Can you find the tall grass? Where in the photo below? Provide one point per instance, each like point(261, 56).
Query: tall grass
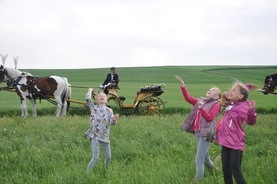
point(47, 149)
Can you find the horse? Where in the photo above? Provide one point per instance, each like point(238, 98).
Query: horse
point(28, 86)
point(270, 84)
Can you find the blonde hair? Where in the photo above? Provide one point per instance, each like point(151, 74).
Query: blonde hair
point(224, 101)
point(243, 90)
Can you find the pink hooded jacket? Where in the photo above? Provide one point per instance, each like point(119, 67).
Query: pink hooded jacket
point(230, 132)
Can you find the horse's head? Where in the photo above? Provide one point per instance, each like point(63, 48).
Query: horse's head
point(270, 84)
point(2, 73)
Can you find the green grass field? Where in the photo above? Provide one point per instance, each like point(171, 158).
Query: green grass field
point(147, 150)
point(198, 80)
point(154, 149)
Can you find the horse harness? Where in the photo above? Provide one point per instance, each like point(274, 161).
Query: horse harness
point(30, 87)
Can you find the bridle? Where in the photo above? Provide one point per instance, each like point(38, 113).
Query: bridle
point(3, 74)
point(270, 84)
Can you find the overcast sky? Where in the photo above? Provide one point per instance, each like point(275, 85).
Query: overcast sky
point(60, 34)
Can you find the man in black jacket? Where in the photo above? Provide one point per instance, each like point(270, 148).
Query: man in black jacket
point(112, 79)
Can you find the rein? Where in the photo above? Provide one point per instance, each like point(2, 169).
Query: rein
point(52, 101)
point(15, 77)
point(82, 87)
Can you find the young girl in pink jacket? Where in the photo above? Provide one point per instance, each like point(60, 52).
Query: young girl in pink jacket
point(231, 136)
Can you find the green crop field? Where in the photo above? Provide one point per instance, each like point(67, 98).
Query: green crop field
point(198, 80)
point(145, 149)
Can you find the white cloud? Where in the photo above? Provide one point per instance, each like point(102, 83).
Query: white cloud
point(93, 34)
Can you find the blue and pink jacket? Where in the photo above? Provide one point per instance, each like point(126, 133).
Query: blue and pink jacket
point(200, 120)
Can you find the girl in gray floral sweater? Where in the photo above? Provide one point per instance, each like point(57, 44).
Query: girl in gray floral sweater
point(101, 117)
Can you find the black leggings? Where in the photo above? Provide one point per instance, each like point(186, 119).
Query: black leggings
point(231, 165)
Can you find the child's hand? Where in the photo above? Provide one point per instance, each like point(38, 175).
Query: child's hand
point(200, 103)
point(88, 95)
point(180, 79)
point(115, 117)
point(251, 104)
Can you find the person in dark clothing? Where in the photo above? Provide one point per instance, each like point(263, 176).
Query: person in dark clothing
point(111, 80)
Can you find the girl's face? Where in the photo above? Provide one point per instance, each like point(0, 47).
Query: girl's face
point(101, 98)
point(234, 94)
point(213, 93)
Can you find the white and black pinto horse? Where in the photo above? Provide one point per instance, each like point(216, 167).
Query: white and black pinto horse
point(28, 86)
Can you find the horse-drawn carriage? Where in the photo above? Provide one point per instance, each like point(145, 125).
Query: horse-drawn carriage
point(26, 86)
point(146, 102)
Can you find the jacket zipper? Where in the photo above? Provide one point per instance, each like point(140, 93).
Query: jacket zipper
point(230, 124)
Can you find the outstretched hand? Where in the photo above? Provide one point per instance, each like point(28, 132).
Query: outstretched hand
point(180, 80)
point(88, 95)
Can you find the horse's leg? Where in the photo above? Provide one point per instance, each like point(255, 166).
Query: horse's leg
point(34, 107)
point(60, 95)
point(64, 108)
point(24, 110)
point(59, 106)
point(67, 97)
point(65, 103)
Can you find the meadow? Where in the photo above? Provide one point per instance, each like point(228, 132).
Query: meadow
point(154, 149)
point(198, 79)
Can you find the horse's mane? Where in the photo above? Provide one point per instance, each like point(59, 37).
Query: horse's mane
point(14, 73)
point(27, 74)
point(274, 76)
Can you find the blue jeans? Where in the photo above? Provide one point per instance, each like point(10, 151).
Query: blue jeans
point(202, 157)
point(96, 151)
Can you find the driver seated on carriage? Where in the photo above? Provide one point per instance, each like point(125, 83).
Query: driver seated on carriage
point(111, 81)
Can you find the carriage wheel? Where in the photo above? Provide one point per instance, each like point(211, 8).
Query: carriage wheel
point(151, 106)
